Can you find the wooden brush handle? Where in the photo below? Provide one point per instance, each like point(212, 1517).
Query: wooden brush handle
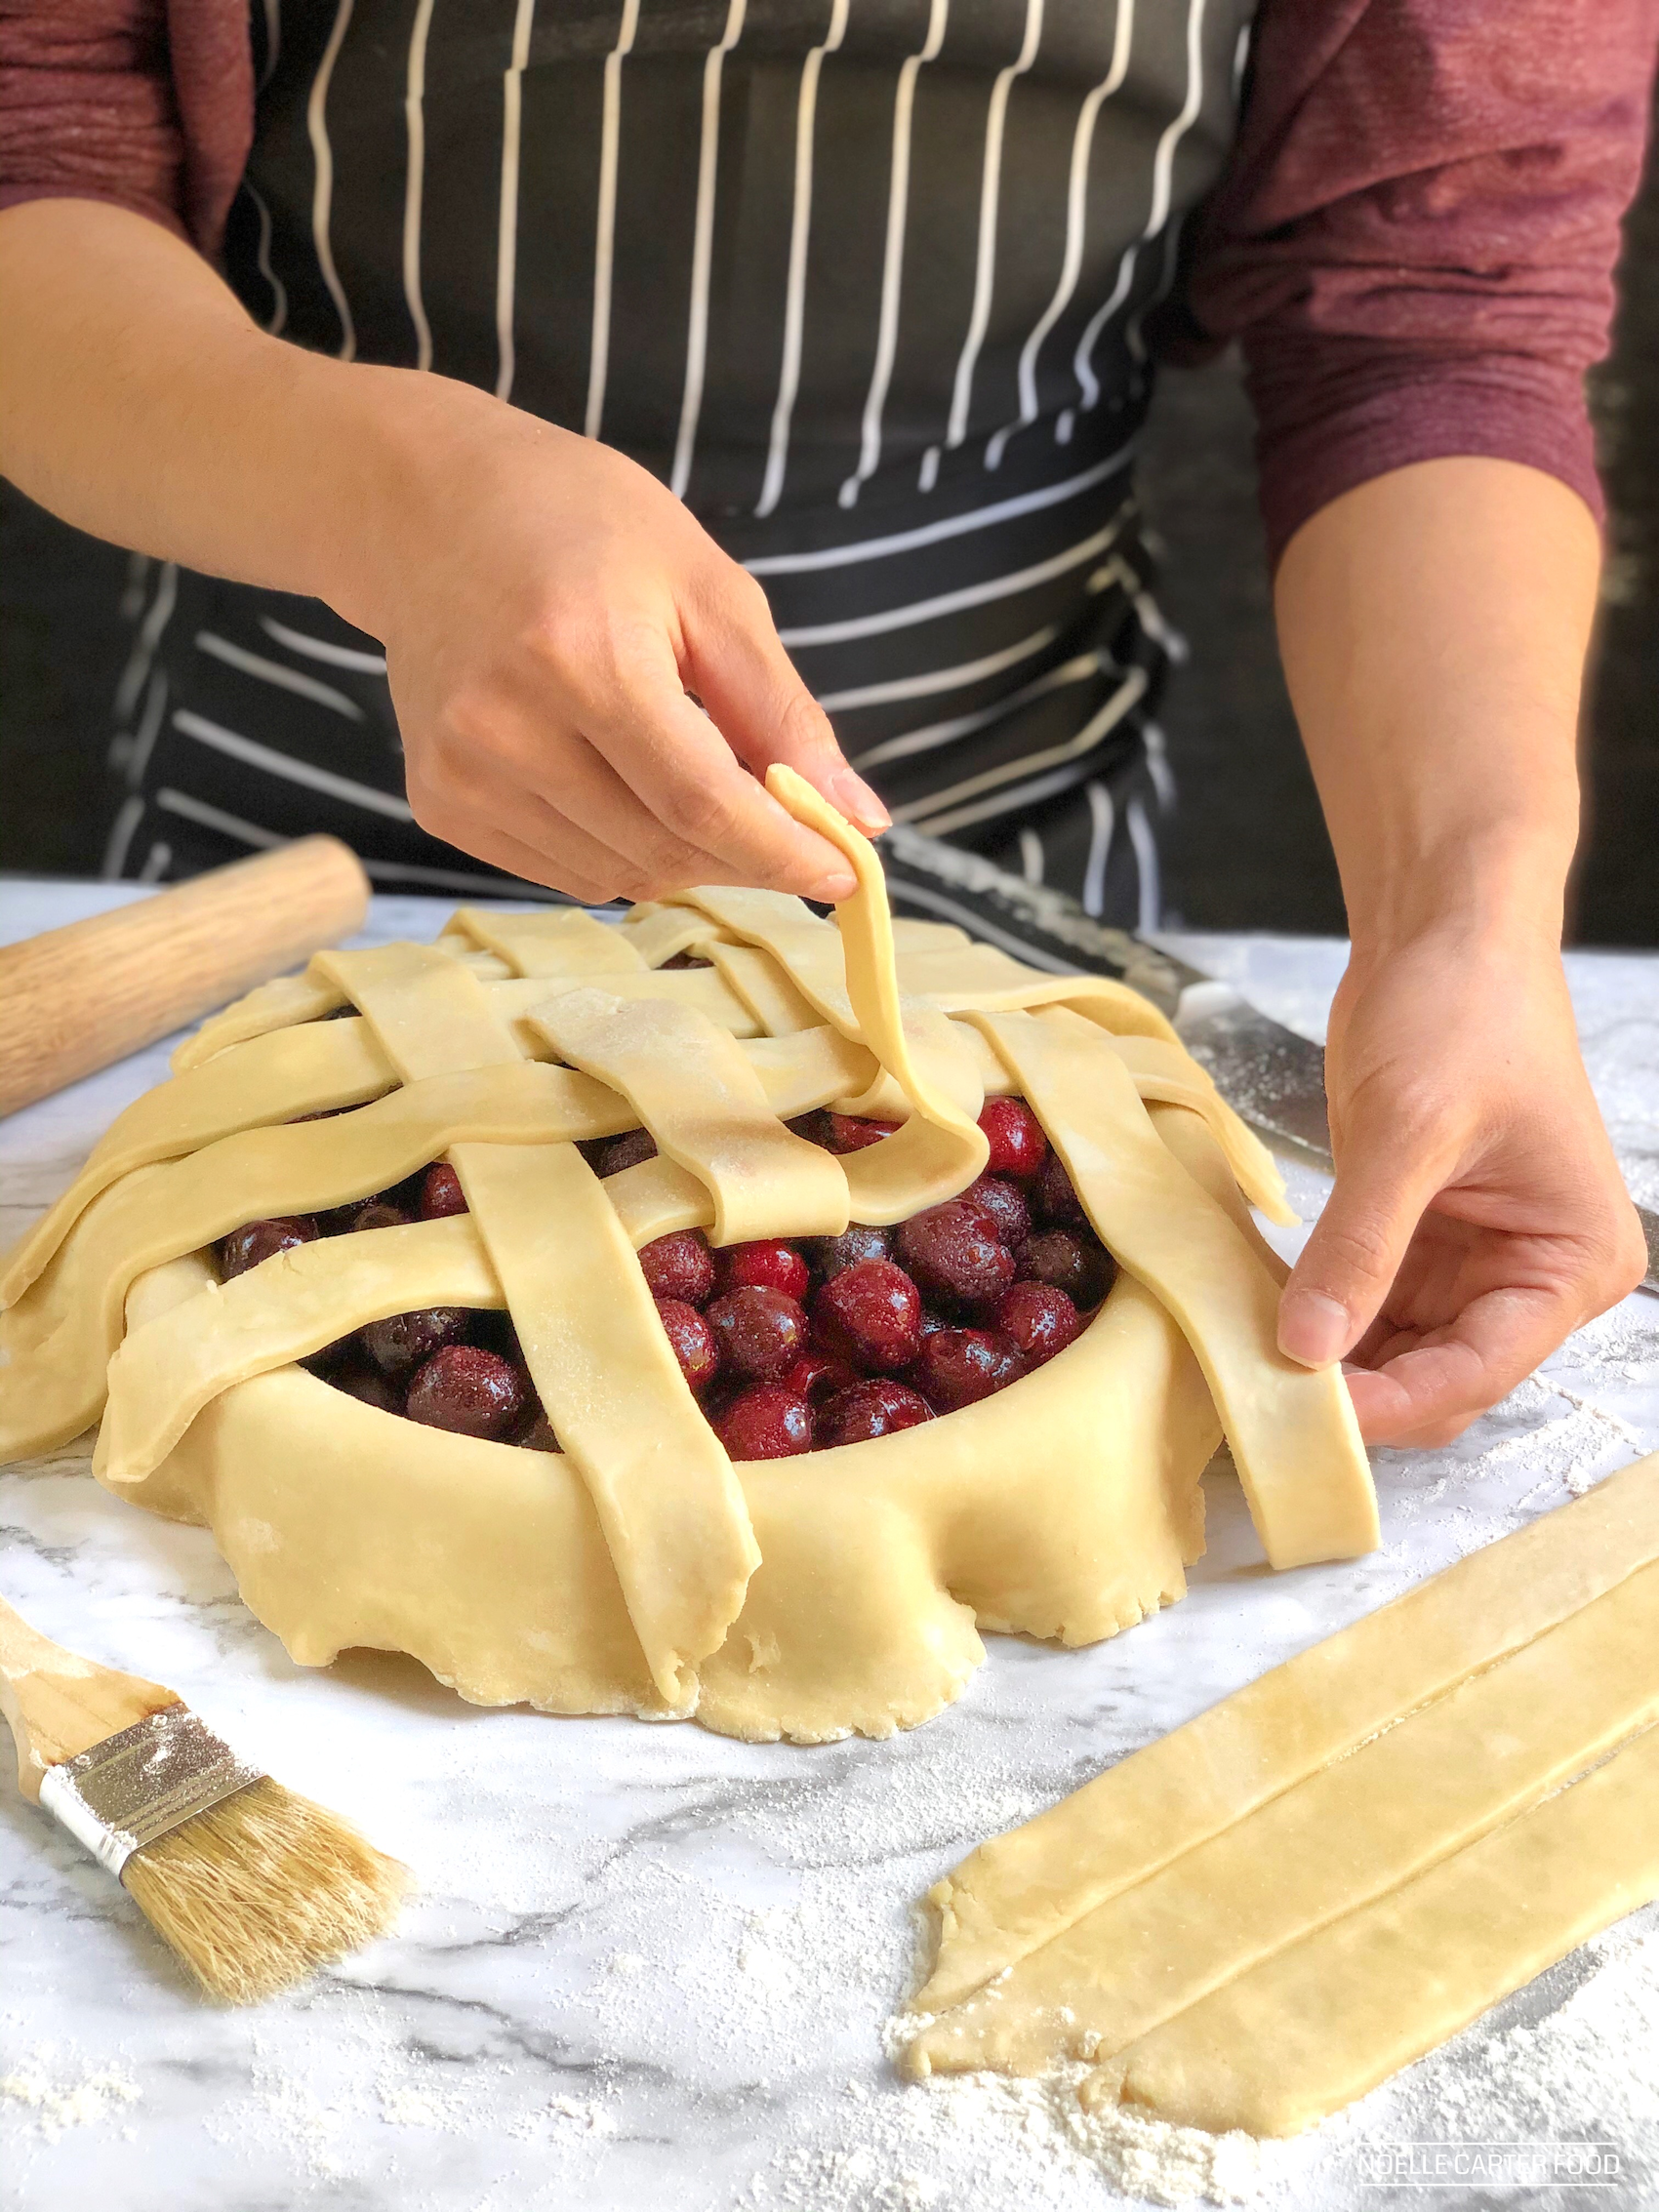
point(59, 1704)
point(77, 999)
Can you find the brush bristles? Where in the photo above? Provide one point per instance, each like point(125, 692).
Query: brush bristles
point(261, 1890)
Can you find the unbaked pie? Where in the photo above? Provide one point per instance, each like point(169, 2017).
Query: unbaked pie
point(728, 1310)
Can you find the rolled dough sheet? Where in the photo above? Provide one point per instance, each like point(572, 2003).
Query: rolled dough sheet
point(1264, 1914)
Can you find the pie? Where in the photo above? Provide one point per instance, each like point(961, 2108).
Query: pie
point(728, 1310)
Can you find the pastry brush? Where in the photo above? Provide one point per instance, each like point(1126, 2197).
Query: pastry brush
point(253, 1886)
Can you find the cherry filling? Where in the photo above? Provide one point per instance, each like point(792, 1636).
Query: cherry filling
point(789, 1344)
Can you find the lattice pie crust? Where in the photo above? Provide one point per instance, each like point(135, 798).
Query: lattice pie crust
point(637, 1570)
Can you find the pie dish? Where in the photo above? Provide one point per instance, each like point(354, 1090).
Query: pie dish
point(729, 1097)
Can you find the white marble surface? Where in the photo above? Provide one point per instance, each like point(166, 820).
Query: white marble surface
point(650, 1968)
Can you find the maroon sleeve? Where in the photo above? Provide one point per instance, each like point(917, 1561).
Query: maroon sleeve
point(146, 104)
point(1416, 237)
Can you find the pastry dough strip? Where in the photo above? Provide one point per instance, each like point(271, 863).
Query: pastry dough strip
point(672, 1509)
point(690, 1084)
point(1292, 1430)
point(1022, 1890)
point(1321, 2022)
point(1343, 1836)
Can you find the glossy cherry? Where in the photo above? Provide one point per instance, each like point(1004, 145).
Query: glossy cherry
point(685, 960)
point(1073, 1261)
point(818, 1377)
point(769, 1264)
point(536, 1433)
point(813, 1127)
point(766, 1422)
point(828, 1255)
point(693, 1341)
point(441, 1194)
point(851, 1133)
point(468, 1390)
point(627, 1151)
point(960, 1366)
point(1037, 1319)
point(679, 1266)
point(759, 1332)
point(1005, 1203)
point(876, 1408)
point(1054, 1198)
point(246, 1247)
point(1018, 1146)
point(404, 1340)
point(953, 1252)
point(869, 1313)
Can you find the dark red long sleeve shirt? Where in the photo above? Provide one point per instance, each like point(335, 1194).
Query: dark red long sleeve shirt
point(1414, 242)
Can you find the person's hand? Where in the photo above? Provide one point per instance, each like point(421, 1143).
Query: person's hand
point(1479, 1214)
point(551, 617)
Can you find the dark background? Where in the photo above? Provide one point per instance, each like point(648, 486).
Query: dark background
point(1247, 849)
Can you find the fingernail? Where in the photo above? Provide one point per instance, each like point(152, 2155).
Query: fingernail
point(857, 802)
point(838, 884)
point(1313, 1329)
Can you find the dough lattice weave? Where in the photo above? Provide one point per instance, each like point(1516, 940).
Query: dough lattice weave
point(636, 1567)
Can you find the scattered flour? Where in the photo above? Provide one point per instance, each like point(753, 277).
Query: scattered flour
point(49, 2107)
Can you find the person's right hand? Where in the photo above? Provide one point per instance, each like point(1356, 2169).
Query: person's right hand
point(551, 617)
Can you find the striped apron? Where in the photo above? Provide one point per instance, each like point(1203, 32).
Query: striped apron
point(863, 281)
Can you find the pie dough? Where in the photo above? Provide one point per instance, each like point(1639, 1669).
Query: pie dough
point(637, 1569)
point(1260, 1917)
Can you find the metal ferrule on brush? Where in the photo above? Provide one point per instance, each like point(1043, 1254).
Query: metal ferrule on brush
point(137, 1786)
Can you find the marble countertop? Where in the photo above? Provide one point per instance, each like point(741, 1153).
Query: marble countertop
point(648, 1967)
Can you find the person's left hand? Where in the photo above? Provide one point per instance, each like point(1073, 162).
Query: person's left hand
point(1479, 1214)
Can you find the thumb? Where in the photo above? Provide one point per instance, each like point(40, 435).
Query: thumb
point(738, 668)
point(1347, 1266)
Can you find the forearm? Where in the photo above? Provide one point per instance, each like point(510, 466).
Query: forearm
point(1433, 625)
point(140, 402)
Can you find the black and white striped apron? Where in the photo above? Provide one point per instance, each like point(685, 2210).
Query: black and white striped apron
point(863, 281)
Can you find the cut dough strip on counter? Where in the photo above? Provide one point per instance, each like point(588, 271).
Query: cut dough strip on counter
point(1319, 2025)
point(1294, 1438)
point(1345, 1835)
point(1023, 1889)
point(1265, 1914)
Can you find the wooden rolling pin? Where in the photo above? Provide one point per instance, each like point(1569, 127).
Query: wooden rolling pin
point(74, 1000)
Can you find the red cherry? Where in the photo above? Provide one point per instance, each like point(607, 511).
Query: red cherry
point(692, 1339)
point(685, 960)
point(627, 1151)
point(767, 1423)
point(441, 1194)
point(828, 1255)
point(877, 1408)
point(1018, 1146)
point(953, 1252)
point(869, 1313)
point(536, 1433)
point(246, 1247)
point(1055, 1199)
point(759, 1332)
point(851, 1133)
point(818, 1376)
point(1070, 1261)
point(960, 1366)
point(1037, 1319)
point(814, 1127)
point(402, 1341)
point(468, 1390)
point(769, 1263)
point(1005, 1203)
point(679, 1266)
